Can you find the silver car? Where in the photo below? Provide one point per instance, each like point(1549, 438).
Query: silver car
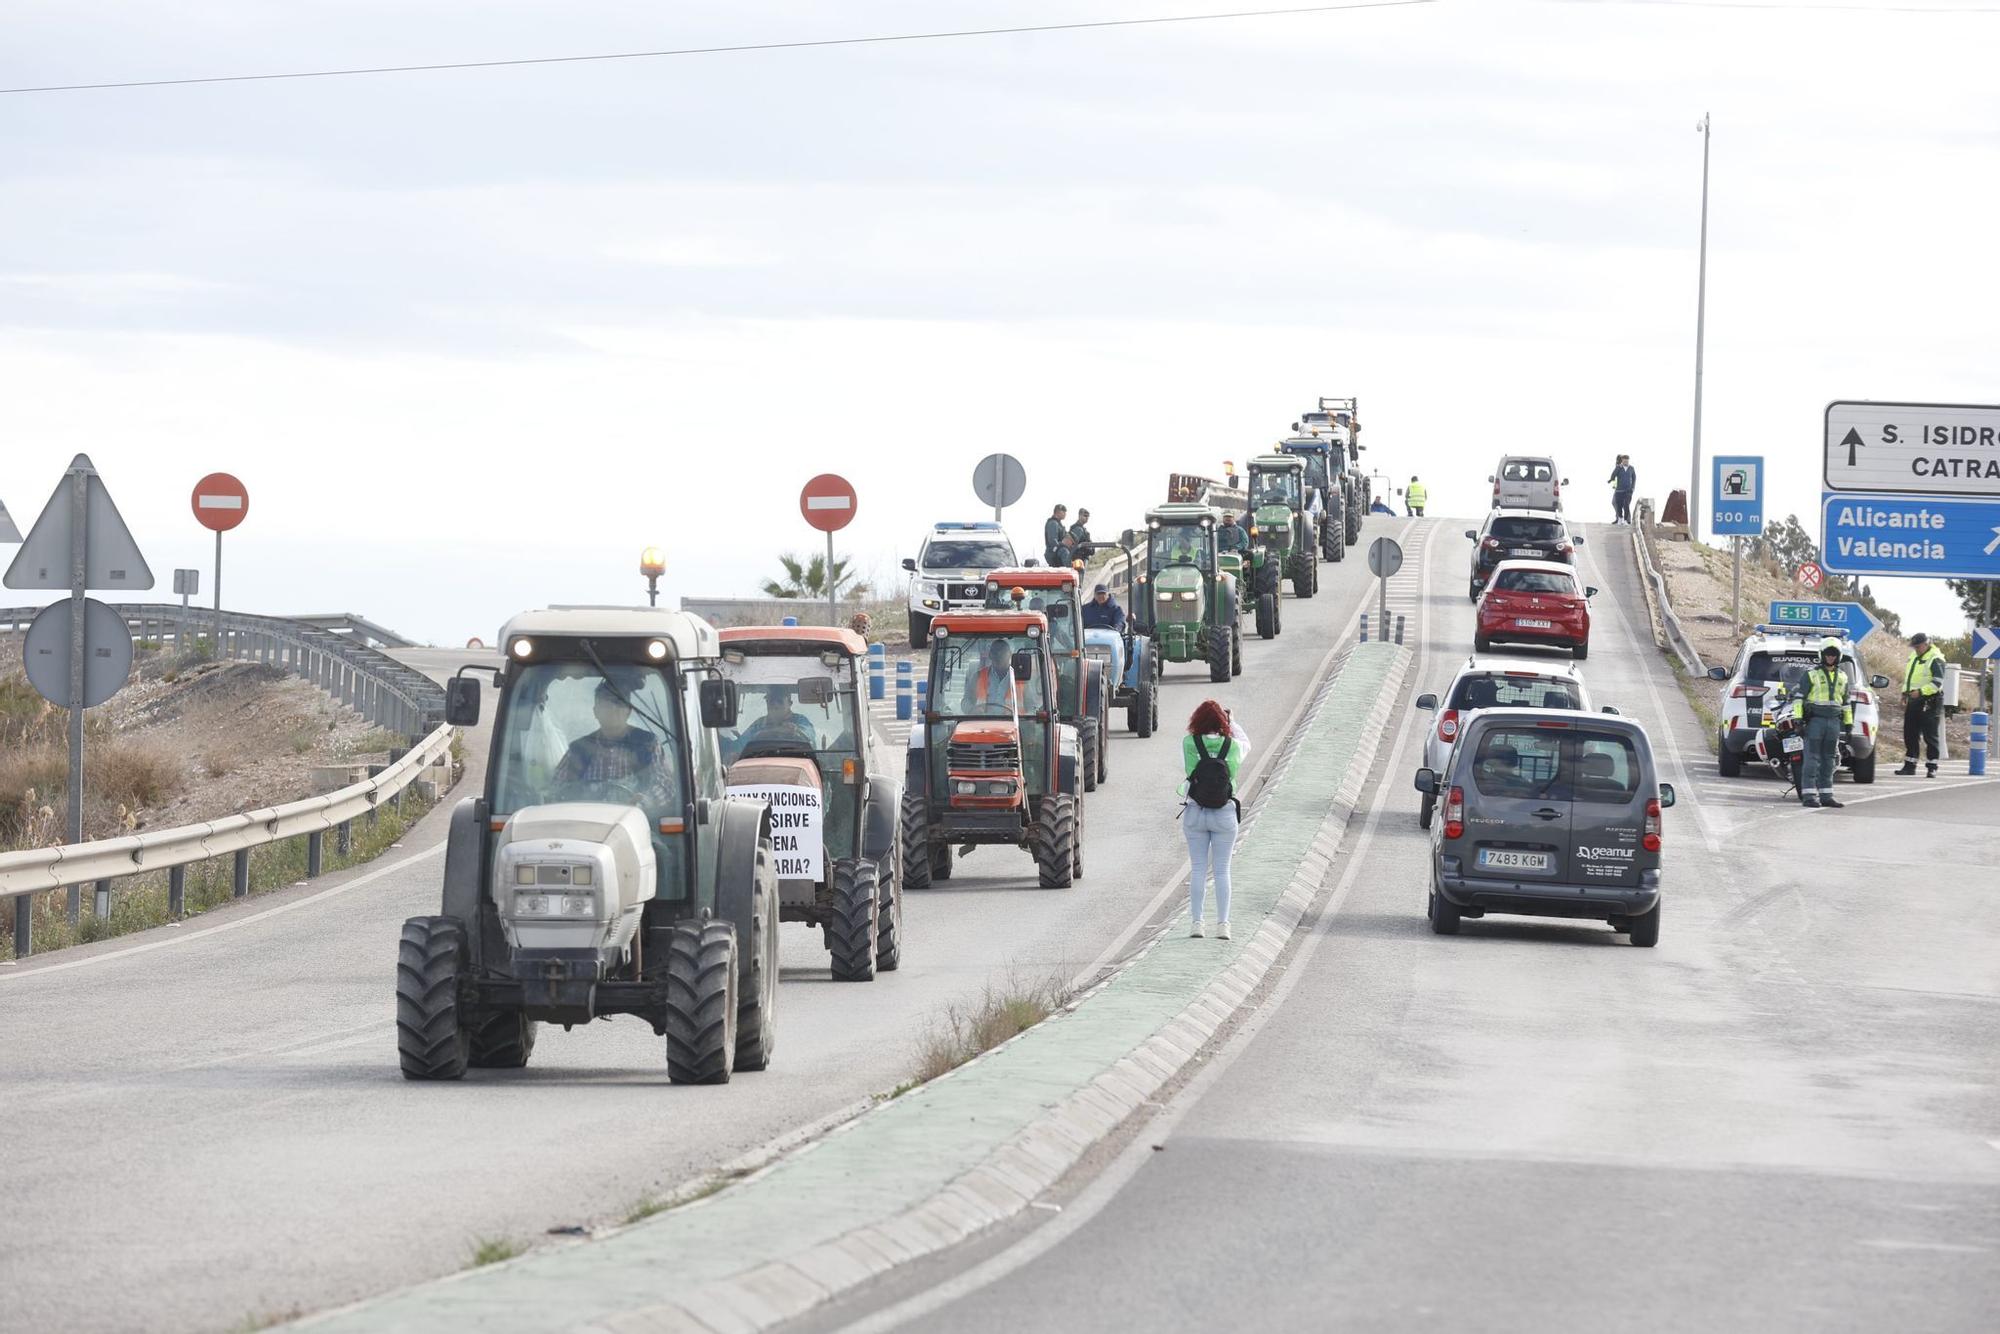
point(1487, 681)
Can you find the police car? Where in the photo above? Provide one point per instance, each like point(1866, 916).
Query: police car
point(948, 573)
point(1775, 656)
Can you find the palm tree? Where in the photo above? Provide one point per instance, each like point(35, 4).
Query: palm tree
point(807, 579)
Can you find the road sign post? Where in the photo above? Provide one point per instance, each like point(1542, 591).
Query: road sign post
point(828, 503)
point(220, 503)
point(1737, 492)
point(999, 480)
point(1385, 557)
point(1809, 574)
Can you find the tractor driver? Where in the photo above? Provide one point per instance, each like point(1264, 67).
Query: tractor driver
point(1102, 612)
point(1231, 537)
point(1182, 546)
point(993, 689)
point(779, 723)
point(617, 759)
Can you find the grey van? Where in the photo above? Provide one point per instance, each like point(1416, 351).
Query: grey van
point(1548, 813)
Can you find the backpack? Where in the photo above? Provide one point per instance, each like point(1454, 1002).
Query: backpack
point(1209, 782)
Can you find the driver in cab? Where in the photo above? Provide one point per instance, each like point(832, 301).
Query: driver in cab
point(779, 723)
point(616, 754)
point(993, 689)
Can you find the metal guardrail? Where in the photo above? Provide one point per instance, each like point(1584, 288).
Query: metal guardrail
point(1677, 638)
point(101, 861)
point(358, 628)
point(382, 690)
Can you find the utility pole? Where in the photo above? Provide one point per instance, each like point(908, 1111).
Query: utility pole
point(1700, 328)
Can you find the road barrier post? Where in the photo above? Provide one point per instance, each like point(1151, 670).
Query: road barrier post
point(24, 926)
point(923, 696)
point(177, 880)
point(1976, 758)
point(343, 837)
point(905, 679)
point(1364, 627)
point(878, 666)
point(101, 901)
point(239, 878)
point(315, 853)
point(1399, 628)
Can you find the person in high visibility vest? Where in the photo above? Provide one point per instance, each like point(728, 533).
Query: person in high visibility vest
point(1414, 498)
point(993, 689)
point(1824, 703)
point(1923, 704)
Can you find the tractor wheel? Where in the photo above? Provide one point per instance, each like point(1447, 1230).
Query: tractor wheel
point(1236, 649)
point(502, 1040)
point(431, 1040)
point(889, 915)
point(851, 929)
point(1353, 529)
point(1054, 841)
point(1076, 845)
point(1218, 653)
point(1143, 713)
point(757, 1007)
point(941, 861)
point(1104, 745)
point(1315, 577)
point(701, 1002)
point(915, 838)
point(1267, 625)
point(1087, 733)
point(1277, 616)
point(1338, 549)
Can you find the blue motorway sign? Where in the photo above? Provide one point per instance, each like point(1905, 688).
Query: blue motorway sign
point(1737, 491)
point(1833, 617)
point(1934, 537)
point(1986, 641)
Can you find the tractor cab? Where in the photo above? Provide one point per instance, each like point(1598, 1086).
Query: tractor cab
point(1189, 592)
point(1081, 673)
point(1281, 532)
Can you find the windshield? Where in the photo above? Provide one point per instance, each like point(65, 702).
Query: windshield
point(770, 707)
point(1059, 608)
point(1275, 488)
point(966, 553)
point(1790, 668)
point(1526, 530)
point(974, 677)
point(1183, 544)
point(1315, 467)
point(1502, 691)
point(1535, 581)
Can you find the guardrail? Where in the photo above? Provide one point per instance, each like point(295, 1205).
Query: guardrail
point(358, 628)
point(102, 861)
point(1677, 638)
point(382, 690)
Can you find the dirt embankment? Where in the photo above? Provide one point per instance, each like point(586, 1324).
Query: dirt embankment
point(182, 742)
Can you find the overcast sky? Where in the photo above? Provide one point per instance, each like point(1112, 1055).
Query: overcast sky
point(474, 338)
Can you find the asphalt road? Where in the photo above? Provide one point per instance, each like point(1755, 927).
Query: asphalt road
point(210, 1127)
point(1783, 1118)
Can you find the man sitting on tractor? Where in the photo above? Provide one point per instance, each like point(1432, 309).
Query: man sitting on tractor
point(616, 760)
point(1102, 612)
point(779, 723)
point(1231, 537)
point(993, 689)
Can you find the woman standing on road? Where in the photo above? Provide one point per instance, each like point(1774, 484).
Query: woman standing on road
point(1211, 755)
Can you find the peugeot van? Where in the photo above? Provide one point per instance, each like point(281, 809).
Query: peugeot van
point(1527, 482)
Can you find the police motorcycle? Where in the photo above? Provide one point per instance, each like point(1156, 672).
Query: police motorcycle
point(1780, 744)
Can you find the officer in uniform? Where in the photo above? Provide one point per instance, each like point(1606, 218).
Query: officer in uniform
point(1414, 498)
point(1824, 705)
point(1923, 680)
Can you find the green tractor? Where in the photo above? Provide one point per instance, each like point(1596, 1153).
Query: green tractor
point(1279, 524)
point(1188, 596)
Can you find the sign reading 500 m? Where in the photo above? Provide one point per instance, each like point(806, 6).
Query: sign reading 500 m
point(1944, 449)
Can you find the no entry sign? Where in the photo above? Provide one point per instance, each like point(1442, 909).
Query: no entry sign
point(220, 502)
point(828, 502)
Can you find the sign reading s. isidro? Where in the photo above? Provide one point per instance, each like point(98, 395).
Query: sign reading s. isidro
point(1936, 449)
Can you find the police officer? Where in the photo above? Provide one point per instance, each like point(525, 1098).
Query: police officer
point(1055, 535)
point(1079, 532)
point(1923, 680)
point(1414, 498)
point(1824, 705)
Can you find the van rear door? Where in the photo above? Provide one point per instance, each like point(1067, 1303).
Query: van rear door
point(1517, 802)
point(1609, 790)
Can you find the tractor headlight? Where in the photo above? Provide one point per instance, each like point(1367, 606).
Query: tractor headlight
point(967, 789)
point(531, 905)
point(1190, 596)
point(1166, 596)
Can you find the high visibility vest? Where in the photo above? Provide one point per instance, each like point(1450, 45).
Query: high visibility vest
point(1417, 493)
point(1923, 672)
point(983, 692)
point(1826, 687)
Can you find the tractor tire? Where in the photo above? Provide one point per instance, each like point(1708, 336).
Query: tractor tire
point(1338, 549)
point(502, 1040)
point(701, 1002)
point(941, 861)
point(1315, 578)
point(1218, 654)
point(1142, 715)
point(1076, 845)
point(1086, 729)
point(1277, 616)
point(1267, 626)
point(757, 1006)
point(432, 1039)
point(1104, 746)
point(1054, 841)
point(1236, 649)
point(889, 915)
point(1353, 530)
point(851, 929)
point(915, 837)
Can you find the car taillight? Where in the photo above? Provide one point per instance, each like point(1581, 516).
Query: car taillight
point(1454, 813)
point(1448, 725)
point(1861, 697)
point(1651, 841)
point(1747, 692)
point(1564, 549)
point(1491, 544)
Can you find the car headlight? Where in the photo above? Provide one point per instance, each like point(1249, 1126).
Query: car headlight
point(932, 603)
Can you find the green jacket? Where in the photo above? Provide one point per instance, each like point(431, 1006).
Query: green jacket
point(1825, 687)
point(1193, 748)
point(1925, 674)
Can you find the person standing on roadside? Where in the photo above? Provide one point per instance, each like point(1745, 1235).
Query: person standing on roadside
point(1079, 532)
point(1923, 701)
point(1054, 533)
point(1414, 498)
point(1211, 756)
point(1623, 479)
point(1825, 705)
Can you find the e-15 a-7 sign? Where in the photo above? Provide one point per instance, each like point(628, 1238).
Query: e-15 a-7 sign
point(1939, 449)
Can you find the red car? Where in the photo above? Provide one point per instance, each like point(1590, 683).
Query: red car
point(1534, 602)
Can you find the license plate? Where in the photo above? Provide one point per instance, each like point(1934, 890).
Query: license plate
point(1529, 552)
point(1794, 744)
point(1507, 859)
point(1528, 623)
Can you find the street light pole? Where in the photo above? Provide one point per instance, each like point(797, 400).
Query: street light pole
point(1700, 328)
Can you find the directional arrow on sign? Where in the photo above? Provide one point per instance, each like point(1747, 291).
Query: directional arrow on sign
point(1994, 543)
point(1851, 439)
point(1986, 641)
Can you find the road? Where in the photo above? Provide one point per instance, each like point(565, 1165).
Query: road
point(1784, 1117)
point(215, 1116)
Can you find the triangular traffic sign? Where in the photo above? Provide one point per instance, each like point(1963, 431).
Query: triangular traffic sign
point(8, 532)
point(111, 556)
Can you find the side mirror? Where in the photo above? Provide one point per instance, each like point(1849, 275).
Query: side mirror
point(1578, 539)
point(1127, 538)
point(718, 703)
point(1879, 681)
point(1493, 479)
point(461, 701)
point(1024, 665)
point(1427, 782)
point(1565, 481)
point(910, 564)
point(1666, 795)
point(1589, 592)
point(1472, 533)
point(1611, 709)
point(816, 690)
point(1427, 701)
point(1722, 674)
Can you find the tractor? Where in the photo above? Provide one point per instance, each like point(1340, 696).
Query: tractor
point(991, 761)
point(1131, 662)
point(1280, 525)
point(1326, 475)
point(605, 869)
point(1336, 423)
point(804, 747)
point(1188, 596)
point(1081, 698)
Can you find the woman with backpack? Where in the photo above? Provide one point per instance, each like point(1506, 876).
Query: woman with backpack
point(1212, 754)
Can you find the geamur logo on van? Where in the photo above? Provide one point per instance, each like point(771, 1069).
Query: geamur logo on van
point(1606, 854)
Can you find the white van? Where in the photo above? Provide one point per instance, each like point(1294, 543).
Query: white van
point(1529, 482)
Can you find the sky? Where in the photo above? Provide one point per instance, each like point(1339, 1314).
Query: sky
point(474, 338)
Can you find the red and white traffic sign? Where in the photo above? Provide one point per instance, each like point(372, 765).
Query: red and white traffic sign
point(828, 502)
point(220, 502)
point(1811, 575)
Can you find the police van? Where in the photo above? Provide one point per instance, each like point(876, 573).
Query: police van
point(948, 573)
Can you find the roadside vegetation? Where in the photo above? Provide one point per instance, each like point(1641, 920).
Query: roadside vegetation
point(492, 1250)
point(1000, 1014)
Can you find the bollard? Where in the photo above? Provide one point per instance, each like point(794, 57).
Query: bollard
point(1399, 628)
point(239, 877)
point(315, 854)
point(24, 925)
point(177, 879)
point(1364, 627)
point(923, 696)
point(101, 903)
point(789, 620)
point(904, 678)
point(878, 666)
point(1975, 760)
